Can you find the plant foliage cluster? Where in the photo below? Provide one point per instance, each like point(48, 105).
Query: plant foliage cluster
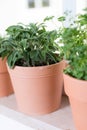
point(74, 39)
point(30, 45)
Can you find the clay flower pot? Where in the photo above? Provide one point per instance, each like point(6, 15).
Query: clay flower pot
point(77, 93)
point(38, 90)
point(5, 82)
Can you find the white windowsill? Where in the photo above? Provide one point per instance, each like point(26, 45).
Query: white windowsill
point(58, 120)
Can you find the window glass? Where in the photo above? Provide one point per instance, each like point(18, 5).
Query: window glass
point(31, 3)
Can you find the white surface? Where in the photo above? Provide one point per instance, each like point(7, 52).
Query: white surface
point(58, 120)
point(8, 124)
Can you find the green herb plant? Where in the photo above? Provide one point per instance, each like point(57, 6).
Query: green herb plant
point(74, 44)
point(30, 45)
point(1, 41)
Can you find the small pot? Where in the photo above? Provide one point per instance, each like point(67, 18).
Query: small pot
point(5, 83)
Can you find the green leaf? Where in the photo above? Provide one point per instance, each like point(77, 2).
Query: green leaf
point(62, 18)
point(48, 18)
point(13, 58)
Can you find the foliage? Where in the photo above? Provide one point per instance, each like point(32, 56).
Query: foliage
point(1, 41)
point(74, 48)
point(30, 45)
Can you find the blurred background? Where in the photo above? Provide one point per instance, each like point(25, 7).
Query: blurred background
point(25, 11)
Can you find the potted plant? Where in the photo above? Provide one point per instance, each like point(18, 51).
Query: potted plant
point(5, 82)
point(74, 39)
point(34, 67)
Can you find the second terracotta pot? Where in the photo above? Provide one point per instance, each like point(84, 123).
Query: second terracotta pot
point(77, 92)
point(38, 90)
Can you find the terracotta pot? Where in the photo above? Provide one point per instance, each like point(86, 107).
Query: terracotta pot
point(38, 90)
point(77, 93)
point(5, 82)
point(65, 65)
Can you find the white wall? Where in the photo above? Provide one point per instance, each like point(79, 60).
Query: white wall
point(81, 4)
point(69, 5)
point(14, 11)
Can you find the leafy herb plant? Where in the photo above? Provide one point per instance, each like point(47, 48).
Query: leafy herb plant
point(74, 48)
point(1, 41)
point(30, 45)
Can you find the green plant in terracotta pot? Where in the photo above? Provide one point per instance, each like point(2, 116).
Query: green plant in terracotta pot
point(34, 66)
point(5, 82)
point(74, 40)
